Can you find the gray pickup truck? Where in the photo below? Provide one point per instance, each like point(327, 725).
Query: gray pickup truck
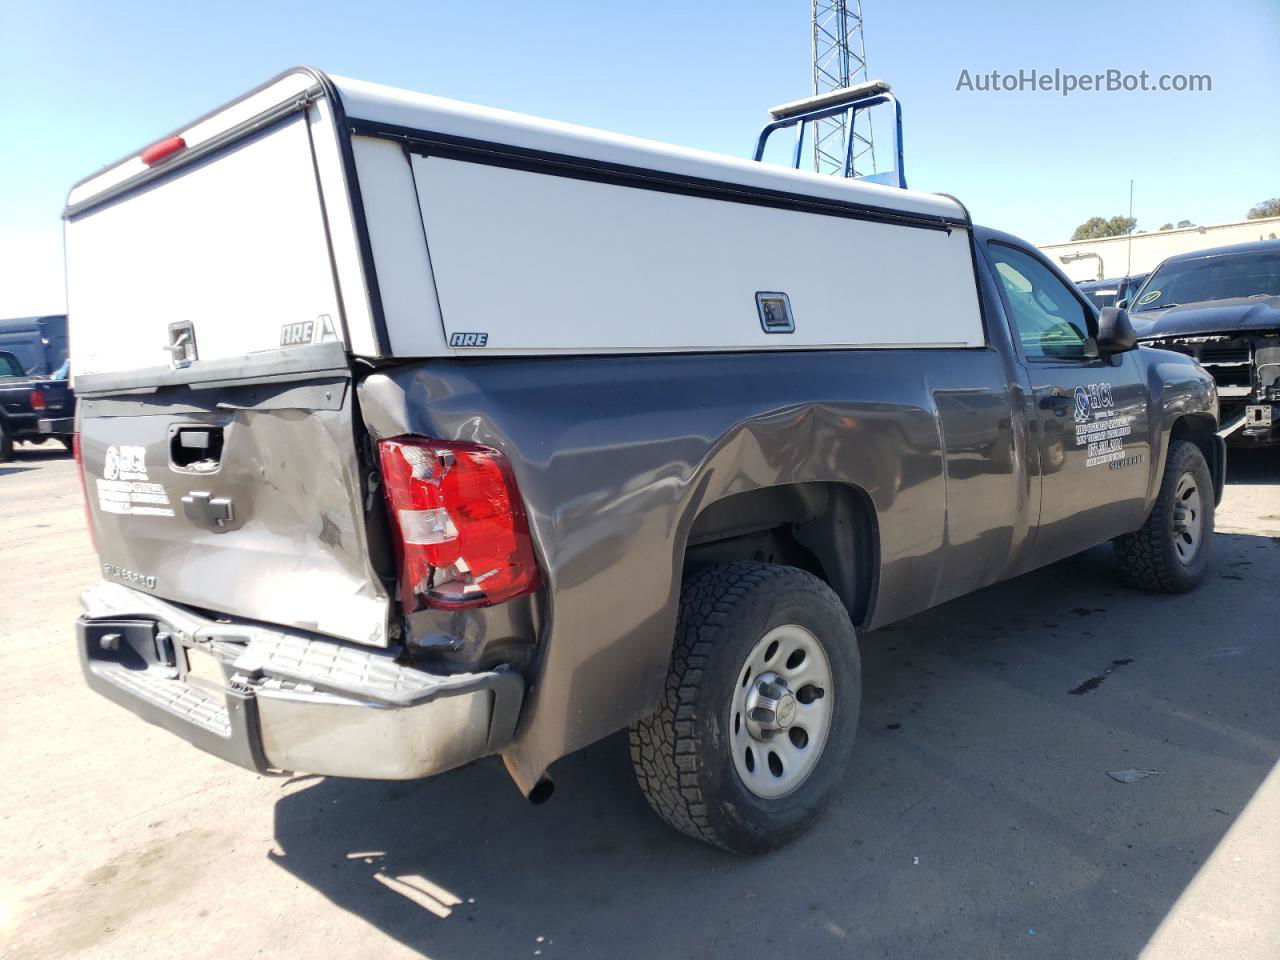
point(414, 432)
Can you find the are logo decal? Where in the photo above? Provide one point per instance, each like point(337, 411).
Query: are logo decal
point(292, 334)
point(469, 340)
point(319, 330)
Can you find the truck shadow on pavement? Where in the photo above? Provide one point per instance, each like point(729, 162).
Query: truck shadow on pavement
point(977, 815)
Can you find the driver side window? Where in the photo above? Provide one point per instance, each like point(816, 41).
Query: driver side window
point(1051, 323)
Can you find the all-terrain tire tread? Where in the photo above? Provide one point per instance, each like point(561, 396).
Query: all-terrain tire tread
point(1146, 554)
point(664, 751)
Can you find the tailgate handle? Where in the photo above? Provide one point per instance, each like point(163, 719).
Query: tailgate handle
point(195, 449)
point(205, 509)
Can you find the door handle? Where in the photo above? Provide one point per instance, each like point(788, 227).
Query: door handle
point(1057, 401)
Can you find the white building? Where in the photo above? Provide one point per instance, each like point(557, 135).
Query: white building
point(1142, 252)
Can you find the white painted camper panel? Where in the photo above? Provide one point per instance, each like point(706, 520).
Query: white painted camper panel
point(236, 245)
point(344, 241)
point(553, 264)
point(287, 87)
point(438, 115)
point(399, 251)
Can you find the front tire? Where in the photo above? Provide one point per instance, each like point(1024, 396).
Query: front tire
point(760, 708)
point(1170, 552)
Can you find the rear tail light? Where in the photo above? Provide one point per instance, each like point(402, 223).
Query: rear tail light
point(37, 400)
point(462, 536)
point(84, 488)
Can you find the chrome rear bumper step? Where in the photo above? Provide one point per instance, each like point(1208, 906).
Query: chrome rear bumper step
point(289, 701)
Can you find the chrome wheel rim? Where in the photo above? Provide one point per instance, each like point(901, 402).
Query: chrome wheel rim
point(1188, 518)
point(781, 711)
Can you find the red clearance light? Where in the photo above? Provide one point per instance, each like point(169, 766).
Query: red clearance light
point(37, 400)
point(162, 150)
point(462, 536)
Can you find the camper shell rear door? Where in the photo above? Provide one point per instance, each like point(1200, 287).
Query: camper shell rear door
point(213, 323)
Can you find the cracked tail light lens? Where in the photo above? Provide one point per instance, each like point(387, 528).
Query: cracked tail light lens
point(461, 532)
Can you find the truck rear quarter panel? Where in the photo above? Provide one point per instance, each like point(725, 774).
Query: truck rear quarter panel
point(616, 456)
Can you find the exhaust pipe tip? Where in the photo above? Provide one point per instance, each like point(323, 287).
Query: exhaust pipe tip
point(542, 790)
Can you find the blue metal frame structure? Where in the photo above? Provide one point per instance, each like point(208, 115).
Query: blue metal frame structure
point(806, 118)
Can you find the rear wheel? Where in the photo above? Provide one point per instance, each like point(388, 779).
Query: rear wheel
point(760, 708)
point(1170, 552)
point(6, 445)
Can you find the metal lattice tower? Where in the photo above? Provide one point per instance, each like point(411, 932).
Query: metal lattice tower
point(839, 60)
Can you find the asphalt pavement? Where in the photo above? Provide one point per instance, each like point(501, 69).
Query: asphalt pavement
point(981, 816)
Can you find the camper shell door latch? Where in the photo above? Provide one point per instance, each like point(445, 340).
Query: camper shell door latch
point(182, 344)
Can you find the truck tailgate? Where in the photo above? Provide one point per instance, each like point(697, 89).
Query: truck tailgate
point(217, 429)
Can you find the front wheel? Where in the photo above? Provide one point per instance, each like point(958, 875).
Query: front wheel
point(760, 708)
point(1170, 552)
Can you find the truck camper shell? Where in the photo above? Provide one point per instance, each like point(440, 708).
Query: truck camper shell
point(405, 225)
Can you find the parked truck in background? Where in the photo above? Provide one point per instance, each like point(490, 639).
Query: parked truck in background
point(415, 432)
point(38, 343)
point(1107, 293)
point(1222, 307)
point(33, 408)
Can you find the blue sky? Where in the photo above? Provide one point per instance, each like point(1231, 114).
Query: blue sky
point(82, 84)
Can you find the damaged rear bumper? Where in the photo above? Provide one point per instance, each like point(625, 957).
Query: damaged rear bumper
point(271, 699)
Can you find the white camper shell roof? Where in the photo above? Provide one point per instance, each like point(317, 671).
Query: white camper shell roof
point(408, 225)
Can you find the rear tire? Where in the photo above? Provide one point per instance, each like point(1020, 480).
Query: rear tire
point(795, 715)
point(1170, 552)
point(6, 445)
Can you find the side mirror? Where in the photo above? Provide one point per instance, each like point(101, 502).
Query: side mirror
point(1115, 332)
point(1122, 305)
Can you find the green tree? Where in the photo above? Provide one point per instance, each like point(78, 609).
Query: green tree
point(1185, 223)
point(1167, 226)
point(1095, 228)
point(1267, 208)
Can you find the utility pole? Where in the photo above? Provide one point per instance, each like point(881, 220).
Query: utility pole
point(840, 60)
point(1128, 266)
